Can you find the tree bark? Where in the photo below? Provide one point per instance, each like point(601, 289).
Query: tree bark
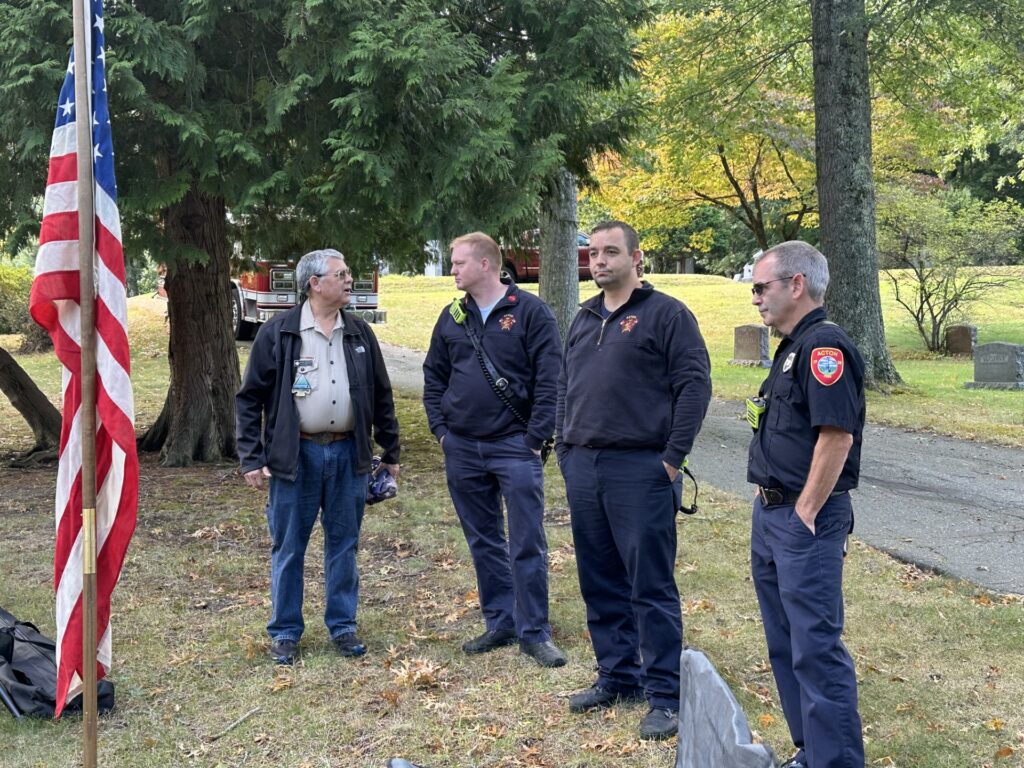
point(846, 193)
point(198, 416)
point(559, 282)
point(30, 402)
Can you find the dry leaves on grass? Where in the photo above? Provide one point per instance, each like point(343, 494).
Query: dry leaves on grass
point(910, 575)
point(418, 673)
point(282, 679)
point(701, 605)
point(610, 747)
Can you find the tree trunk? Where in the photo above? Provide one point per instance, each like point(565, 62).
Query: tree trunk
point(846, 193)
point(559, 283)
point(198, 416)
point(30, 402)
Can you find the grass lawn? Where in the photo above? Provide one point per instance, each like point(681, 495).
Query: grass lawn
point(940, 662)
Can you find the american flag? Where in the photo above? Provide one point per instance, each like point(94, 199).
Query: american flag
point(54, 304)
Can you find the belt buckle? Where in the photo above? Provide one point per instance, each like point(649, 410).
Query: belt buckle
point(322, 438)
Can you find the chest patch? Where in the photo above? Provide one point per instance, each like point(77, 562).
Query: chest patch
point(628, 323)
point(506, 322)
point(789, 362)
point(827, 365)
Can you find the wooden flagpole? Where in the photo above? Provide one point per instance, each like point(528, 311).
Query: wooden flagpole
point(87, 409)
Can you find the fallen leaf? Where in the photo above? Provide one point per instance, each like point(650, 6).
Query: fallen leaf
point(766, 720)
point(1004, 753)
point(418, 673)
point(995, 724)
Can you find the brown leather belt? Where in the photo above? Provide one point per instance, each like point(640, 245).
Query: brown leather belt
point(325, 438)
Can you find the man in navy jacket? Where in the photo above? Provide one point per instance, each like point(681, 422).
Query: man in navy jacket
point(631, 399)
point(492, 451)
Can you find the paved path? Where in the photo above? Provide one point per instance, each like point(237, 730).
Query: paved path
point(952, 505)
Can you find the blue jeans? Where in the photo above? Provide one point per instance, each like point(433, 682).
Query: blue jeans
point(326, 483)
point(623, 512)
point(512, 575)
point(798, 577)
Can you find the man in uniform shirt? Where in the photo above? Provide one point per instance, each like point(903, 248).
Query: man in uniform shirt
point(491, 452)
point(314, 387)
point(805, 458)
point(631, 399)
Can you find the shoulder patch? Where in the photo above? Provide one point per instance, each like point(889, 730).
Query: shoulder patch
point(827, 365)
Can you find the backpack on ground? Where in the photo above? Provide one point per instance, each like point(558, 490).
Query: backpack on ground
point(28, 672)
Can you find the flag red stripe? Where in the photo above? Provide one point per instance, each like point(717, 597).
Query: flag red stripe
point(59, 226)
point(109, 249)
point(63, 168)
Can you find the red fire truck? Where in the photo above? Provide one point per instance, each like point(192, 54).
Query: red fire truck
point(270, 288)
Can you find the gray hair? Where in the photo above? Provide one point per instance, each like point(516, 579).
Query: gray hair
point(795, 257)
point(313, 264)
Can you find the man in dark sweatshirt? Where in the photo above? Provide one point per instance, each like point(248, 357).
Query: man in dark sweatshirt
point(631, 398)
point(492, 451)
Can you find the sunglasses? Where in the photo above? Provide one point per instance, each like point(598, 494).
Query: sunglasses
point(757, 289)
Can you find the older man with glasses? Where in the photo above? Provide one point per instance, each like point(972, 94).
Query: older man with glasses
point(808, 419)
point(314, 388)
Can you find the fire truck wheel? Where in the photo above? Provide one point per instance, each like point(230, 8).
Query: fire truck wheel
point(242, 330)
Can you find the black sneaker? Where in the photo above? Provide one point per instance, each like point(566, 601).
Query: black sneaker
point(283, 651)
point(349, 645)
point(489, 640)
point(659, 724)
point(545, 653)
point(599, 697)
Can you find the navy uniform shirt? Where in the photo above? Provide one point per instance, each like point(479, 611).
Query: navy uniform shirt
point(816, 380)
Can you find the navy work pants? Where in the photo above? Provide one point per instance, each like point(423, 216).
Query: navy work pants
point(623, 509)
point(798, 576)
point(512, 574)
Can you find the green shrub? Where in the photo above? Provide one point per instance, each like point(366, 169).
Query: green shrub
point(15, 284)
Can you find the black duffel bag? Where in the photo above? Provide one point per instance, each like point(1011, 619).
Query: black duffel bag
point(28, 672)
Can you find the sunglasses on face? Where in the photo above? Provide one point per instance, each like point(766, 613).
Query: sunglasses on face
point(758, 289)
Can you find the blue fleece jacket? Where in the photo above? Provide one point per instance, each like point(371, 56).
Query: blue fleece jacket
point(640, 378)
point(521, 339)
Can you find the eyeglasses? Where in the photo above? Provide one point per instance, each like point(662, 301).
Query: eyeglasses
point(341, 274)
point(757, 289)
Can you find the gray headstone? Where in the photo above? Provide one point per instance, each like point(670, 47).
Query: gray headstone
point(998, 365)
point(750, 346)
point(961, 339)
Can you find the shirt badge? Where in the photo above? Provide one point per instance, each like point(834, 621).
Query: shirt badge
point(303, 367)
point(789, 362)
point(628, 323)
point(506, 322)
point(827, 365)
point(512, 298)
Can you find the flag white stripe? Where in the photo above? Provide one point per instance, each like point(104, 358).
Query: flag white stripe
point(57, 256)
point(64, 141)
point(61, 197)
